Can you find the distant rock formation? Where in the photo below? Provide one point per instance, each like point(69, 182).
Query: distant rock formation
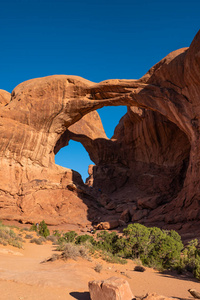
point(150, 169)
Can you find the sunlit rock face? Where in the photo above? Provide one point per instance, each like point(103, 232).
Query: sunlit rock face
point(150, 166)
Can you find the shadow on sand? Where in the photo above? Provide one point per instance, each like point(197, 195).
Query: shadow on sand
point(173, 274)
point(80, 295)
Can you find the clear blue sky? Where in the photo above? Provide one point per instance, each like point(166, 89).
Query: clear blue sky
point(97, 40)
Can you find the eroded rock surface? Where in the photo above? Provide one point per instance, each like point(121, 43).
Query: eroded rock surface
point(150, 167)
point(113, 288)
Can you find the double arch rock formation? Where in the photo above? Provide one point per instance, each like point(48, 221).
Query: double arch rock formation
point(151, 166)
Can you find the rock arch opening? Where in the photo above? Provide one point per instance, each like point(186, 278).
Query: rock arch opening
point(75, 157)
point(110, 117)
point(73, 149)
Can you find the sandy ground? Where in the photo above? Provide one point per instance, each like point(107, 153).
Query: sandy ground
point(23, 276)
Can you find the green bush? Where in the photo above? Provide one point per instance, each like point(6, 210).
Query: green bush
point(34, 227)
point(107, 241)
point(153, 246)
point(40, 228)
point(68, 237)
point(57, 233)
point(190, 260)
point(85, 238)
point(43, 229)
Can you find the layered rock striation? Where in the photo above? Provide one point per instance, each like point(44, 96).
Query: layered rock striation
point(150, 168)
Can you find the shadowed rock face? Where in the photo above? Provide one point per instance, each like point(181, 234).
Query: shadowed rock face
point(151, 165)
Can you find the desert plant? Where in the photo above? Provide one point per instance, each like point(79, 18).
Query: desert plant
point(34, 227)
point(68, 237)
point(139, 269)
point(38, 241)
point(98, 268)
point(28, 236)
point(43, 229)
point(85, 238)
point(112, 258)
point(153, 246)
point(52, 238)
point(57, 233)
point(190, 260)
point(72, 251)
point(9, 237)
point(107, 241)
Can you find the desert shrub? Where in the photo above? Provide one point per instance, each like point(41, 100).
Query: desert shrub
point(40, 228)
point(85, 238)
point(34, 227)
point(3, 242)
point(28, 236)
point(9, 237)
point(57, 233)
point(153, 246)
point(139, 269)
point(52, 238)
point(24, 229)
point(68, 237)
point(190, 259)
point(98, 268)
point(43, 229)
point(15, 243)
point(107, 241)
point(38, 241)
point(112, 258)
point(72, 251)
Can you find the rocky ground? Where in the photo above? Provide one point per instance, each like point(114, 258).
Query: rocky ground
point(23, 276)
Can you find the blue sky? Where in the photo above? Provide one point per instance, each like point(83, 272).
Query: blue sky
point(97, 40)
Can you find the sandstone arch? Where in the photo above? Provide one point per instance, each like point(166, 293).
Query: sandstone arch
point(41, 110)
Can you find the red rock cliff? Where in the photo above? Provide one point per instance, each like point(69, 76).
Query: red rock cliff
point(150, 166)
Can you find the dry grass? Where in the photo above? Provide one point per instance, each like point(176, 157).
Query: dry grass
point(98, 268)
point(9, 237)
point(38, 241)
point(70, 251)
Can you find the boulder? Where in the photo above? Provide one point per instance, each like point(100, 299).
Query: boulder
point(125, 216)
point(113, 288)
point(107, 225)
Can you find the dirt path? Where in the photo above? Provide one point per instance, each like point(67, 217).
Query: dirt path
point(22, 276)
